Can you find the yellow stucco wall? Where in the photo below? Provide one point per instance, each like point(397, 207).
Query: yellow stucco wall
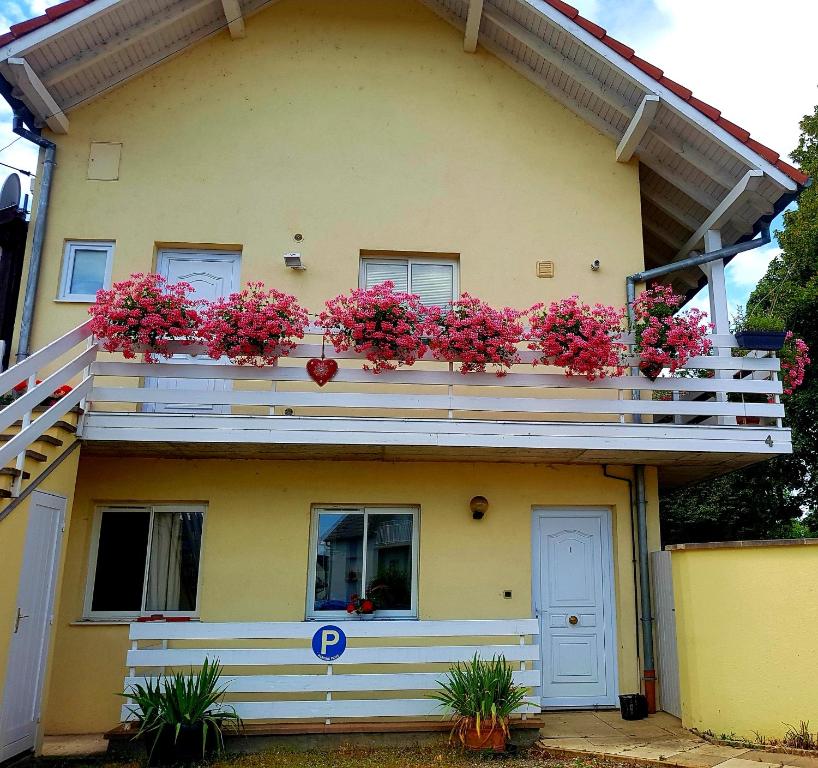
point(747, 628)
point(12, 550)
point(360, 125)
point(256, 539)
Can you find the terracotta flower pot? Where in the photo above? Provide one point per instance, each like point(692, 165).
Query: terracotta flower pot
point(489, 738)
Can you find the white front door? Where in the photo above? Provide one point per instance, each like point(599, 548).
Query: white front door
point(28, 650)
point(213, 275)
point(573, 598)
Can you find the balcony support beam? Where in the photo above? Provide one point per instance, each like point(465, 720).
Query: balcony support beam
point(637, 128)
point(473, 19)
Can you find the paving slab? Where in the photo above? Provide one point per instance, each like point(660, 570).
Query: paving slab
point(79, 745)
point(778, 758)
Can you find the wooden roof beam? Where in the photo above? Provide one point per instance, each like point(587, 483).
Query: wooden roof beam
point(118, 42)
point(637, 129)
point(36, 96)
point(670, 209)
point(693, 156)
point(660, 234)
point(693, 191)
point(723, 212)
point(235, 18)
point(473, 25)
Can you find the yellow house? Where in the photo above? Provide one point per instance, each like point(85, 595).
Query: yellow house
point(508, 149)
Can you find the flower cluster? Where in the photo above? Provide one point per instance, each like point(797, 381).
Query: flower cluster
point(794, 361)
point(665, 339)
point(578, 337)
point(255, 326)
point(144, 314)
point(360, 605)
point(476, 335)
point(385, 325)
point(19, 389)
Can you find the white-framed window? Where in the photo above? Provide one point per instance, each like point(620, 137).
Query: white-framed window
point(86, 267)
point(144, 560)
point(435, 280)
point(367, 551)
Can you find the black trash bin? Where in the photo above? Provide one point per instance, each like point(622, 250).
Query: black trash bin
point(634, 706)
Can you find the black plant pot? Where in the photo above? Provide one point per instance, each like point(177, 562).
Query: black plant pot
point(769, 341)
point(184, 749)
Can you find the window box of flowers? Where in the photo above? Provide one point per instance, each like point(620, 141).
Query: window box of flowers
point(387, 326)
point(476, 335)
point(144, 314)
point(665, 339)
point(254, 326)
point(580, 338)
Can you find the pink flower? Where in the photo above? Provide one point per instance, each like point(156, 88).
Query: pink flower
point(578, 337)
point(254, 326)
point(144, 314)
point(665, 339)
point(794, 361)
point(476, 335)
point(385, 325)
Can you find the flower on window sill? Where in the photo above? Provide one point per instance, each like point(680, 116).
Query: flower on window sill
point(360, 605)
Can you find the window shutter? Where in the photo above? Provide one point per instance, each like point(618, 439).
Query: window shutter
point(377, 272)
point(434, 283)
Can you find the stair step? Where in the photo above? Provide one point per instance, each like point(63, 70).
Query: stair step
point(64, 425)
point(4, 494)
point(35, 455)
point(12, 472)
point(46, 438)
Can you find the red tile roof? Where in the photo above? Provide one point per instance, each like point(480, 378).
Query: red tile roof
point(770, 155)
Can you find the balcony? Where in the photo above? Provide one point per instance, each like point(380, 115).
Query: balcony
point(193, 406)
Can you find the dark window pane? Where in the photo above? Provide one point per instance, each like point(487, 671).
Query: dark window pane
point(120, 571)
point(89, 271)
point(389, 561)
point(339, 560)
point(173, 572)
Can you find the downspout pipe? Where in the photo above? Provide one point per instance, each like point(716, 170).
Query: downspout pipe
point(38, 237)
point(646, 618)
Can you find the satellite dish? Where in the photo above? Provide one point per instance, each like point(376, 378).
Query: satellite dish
point(10, 192)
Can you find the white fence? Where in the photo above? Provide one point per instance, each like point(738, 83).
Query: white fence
point(337, 688)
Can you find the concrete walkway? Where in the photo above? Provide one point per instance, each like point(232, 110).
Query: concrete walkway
point(659, 739)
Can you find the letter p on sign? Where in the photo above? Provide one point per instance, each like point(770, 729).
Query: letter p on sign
point(329, 642)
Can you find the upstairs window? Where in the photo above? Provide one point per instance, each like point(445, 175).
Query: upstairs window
point(86, 268)
point(365, 551)
point(144, 560)
point(435, 280)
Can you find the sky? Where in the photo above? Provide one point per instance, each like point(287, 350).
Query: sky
point(752, 59)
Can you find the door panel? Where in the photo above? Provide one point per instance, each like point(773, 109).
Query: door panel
point(573, 599)
point(28, 650)
point(212, 275)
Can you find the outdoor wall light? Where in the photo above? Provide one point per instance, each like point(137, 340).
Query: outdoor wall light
point(293, 261)
point(595, 265)
point(478, 506)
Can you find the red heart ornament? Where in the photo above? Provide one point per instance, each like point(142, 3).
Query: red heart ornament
point(321, 370)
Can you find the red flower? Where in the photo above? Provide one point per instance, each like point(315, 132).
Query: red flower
point(367, 606)
point(350, 608)
point(61, 391)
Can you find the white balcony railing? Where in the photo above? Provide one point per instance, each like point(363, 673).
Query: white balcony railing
point(194, 399)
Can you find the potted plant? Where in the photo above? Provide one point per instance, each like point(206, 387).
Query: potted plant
point(385, 325)
point(759, 330)
point(180, 717)
point(665, 338)
point(254, 326)
point(476, 335)
point(582, 339)
point(144, 314)
point(481, 696)
point(364, 606)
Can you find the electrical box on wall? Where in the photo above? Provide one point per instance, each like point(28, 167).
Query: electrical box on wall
point(545, 269)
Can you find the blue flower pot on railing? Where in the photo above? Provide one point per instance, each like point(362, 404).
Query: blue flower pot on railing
point(769, 341)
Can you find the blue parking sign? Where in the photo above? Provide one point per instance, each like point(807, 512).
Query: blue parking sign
point(329, 642)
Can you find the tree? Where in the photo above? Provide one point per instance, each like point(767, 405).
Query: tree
point(767, 500)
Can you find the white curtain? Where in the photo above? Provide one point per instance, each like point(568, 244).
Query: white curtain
point(164, 573)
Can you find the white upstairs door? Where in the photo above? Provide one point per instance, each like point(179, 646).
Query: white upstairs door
point(30, 625)
point(213, 275)
point(573, 599)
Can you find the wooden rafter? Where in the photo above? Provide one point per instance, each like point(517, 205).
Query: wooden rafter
point(36, 95)
point(235, 18)
point(473, 19)
point(637, 128)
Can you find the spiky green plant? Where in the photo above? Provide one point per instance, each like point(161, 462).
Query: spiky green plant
point(180, 700)
point(480, 694)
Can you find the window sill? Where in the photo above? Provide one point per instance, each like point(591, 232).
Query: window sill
point(314, 619)
point(121, 620)
point(75, 301)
